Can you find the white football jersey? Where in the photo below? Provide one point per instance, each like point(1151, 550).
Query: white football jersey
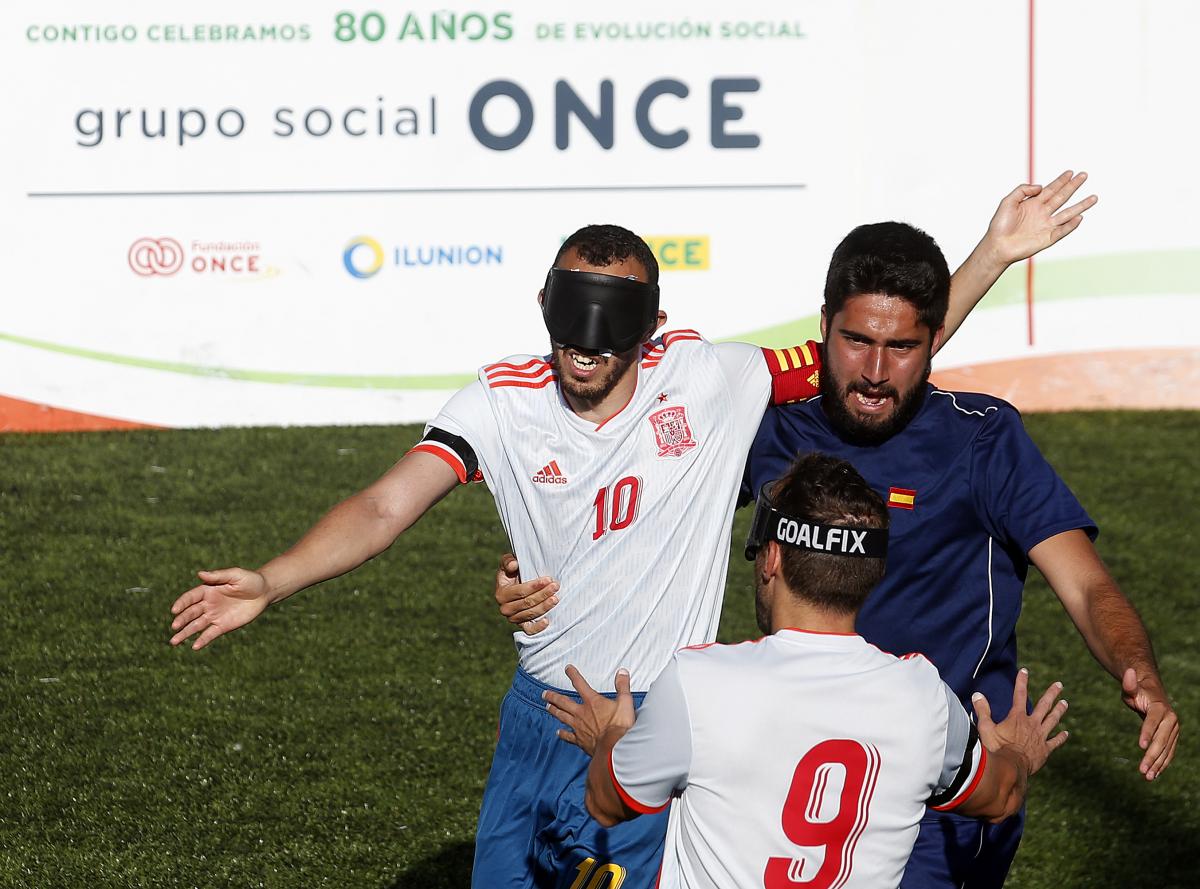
point(801, 759)
point(631, 516)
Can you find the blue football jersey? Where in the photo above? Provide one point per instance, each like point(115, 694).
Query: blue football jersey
point(969, 494)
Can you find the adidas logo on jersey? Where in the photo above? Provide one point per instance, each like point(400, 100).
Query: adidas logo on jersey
point(550, 474)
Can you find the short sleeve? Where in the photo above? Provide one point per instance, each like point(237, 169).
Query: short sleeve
point(458, 429)
point(1018, 494)
point(963, 760)
point(748, 377)
point(650, 764)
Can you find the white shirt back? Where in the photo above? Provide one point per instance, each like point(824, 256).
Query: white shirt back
point(632, 517)
point(802, 759)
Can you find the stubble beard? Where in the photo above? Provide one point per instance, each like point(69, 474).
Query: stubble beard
point(858, 430)
point(595, 389)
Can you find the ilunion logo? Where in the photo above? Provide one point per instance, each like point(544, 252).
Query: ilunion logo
point(363, 245)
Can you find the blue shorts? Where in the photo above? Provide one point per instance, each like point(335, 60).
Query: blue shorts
point(954, 852)
point(534, 829)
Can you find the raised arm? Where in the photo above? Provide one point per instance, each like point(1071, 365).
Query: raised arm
point(356, 530)
point(1116, 636)
point(1028, 220)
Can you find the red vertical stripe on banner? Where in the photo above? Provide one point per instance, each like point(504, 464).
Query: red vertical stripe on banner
point(1029, 262)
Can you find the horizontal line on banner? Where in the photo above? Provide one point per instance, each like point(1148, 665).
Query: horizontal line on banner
point(498, 189)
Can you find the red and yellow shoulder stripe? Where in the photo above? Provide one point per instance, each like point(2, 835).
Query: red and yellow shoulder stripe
point(795, 372)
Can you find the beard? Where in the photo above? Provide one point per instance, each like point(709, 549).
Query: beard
point(608, 372)
point(869, 431)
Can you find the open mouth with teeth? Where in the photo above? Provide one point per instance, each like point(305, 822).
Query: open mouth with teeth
point(870, 402)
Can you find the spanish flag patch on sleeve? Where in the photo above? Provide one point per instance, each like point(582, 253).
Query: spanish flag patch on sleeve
point(902, 498)
point(795, 372)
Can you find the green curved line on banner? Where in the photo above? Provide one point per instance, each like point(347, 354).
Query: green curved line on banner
point(342, 381)
point(1148, 273)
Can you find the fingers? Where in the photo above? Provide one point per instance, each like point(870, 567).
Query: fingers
point(1129, 684)
point(584, 690)
point(527, 601)
point(983, 710)
point(1052, 193)
point(192, 628)
point(1168, 740)
point(222, 575)
point(188, 615)
point(1021, 691)
point(569, 737)
point(1160, 731)
point(207, 636)
point(533, 627)
point(1046, 702)
point(1074, 210)
point(622, 682)
point(191, 597)
point(508, 564)
point(561, 707)
point(1061, 231)
point(1020, 193)
point(1057, 741)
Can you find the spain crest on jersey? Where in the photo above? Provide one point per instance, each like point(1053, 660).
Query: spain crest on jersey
point(672, 432)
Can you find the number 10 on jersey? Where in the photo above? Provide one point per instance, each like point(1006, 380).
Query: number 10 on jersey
point(617, 506)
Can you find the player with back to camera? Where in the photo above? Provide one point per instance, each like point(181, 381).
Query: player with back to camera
point(593, 453)
point(805, 758)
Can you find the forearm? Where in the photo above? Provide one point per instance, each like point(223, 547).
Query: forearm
point(351, 533)
point(1114, 632)
point(1001, 790)
point(602, 799)
point(968, 285)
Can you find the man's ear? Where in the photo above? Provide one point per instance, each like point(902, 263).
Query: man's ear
point(937, 339)
point(824, 326)
point(773, 562)
point(541, 297)
point(662, 319)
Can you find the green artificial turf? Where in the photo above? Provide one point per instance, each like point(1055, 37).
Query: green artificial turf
point(344, 738)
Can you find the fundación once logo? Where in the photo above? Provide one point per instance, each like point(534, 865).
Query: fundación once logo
point(155, 256)
point(162, 257)
point(364, 256)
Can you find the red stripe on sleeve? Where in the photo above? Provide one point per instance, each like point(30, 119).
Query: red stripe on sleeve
point(447, 456)
point(970, 788)
point(625, 797)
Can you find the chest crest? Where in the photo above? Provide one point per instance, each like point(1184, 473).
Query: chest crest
point(672, 431)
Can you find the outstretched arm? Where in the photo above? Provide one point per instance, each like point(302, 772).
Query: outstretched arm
point(356, 530)
point(1116, 636)
point(1028, 220)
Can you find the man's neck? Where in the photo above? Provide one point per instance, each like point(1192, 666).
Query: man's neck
point(799, 615)
point(604, 409)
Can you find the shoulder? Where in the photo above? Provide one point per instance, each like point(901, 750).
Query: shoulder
point(674, 342)
point(971, 408)
point(518, 372)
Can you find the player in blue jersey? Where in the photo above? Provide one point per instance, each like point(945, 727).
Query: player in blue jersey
point(973, 503)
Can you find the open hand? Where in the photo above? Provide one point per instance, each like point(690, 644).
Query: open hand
point(1031, 218)
point(589, 720)
point(1024, 734)
point(228, 599)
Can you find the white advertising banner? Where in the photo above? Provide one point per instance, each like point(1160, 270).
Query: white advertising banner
point(299, 213)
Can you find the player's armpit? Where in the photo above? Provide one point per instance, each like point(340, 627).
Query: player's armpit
point(795, 372)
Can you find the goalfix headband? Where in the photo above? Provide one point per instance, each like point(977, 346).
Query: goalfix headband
point(598, 312)
point(835, 540)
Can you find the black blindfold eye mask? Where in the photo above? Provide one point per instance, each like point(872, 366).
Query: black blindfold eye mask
point(602, 313)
